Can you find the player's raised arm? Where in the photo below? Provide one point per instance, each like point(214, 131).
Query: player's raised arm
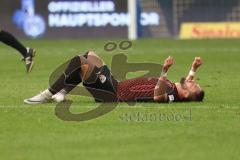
point(195, 65)
point(159, 91)
point(167, 64)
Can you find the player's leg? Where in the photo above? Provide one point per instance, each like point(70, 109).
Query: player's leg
point(94, 59)
point(27, 53)
point(10, 40)
point(68, 79)
point(79, 69)
point(86, 72)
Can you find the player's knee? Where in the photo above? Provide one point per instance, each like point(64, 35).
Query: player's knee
point(92, 53)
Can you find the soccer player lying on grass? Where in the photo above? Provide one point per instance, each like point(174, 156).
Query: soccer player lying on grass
point(95, 75)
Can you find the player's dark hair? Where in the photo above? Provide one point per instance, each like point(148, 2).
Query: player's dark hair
point(199, 96)
point(195, 96)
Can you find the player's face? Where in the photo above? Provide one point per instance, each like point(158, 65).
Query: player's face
point(190, 85)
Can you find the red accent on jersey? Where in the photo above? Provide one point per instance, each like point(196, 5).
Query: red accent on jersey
point(137, 88)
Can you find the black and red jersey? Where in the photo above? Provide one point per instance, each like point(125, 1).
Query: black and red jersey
point(106, 88)
point(142, 89)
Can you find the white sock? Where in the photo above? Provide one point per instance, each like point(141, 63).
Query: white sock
point(60, 96)
point(47, 94)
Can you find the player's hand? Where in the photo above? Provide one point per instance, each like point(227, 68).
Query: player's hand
point(168, 62)
point(196, 63)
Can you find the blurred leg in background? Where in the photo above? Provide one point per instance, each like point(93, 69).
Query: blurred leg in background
point(27, 53)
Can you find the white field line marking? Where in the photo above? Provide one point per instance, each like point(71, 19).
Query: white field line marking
point(125, 106)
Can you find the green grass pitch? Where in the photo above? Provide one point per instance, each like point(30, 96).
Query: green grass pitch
point(210, 132)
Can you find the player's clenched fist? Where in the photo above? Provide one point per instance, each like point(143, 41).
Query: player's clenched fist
point(196, 63)
point(168, 63)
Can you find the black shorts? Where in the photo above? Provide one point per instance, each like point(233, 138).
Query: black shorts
point(102, 85)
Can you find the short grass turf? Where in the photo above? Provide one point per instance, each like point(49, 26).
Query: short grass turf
point(207, 130)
